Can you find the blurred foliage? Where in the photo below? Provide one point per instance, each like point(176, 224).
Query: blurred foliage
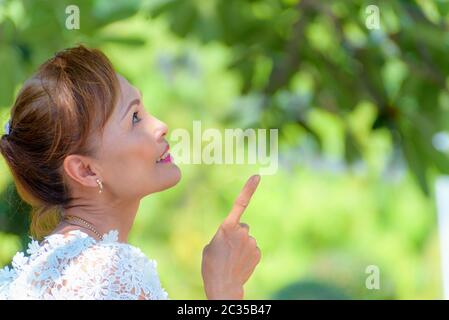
point(299, 55)
point(357, 110)
point(306, 290)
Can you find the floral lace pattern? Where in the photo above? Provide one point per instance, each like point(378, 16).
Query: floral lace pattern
point(76, 266)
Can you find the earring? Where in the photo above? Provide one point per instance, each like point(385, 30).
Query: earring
point(100, 185)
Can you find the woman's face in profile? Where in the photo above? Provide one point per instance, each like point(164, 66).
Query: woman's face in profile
point(131, 148)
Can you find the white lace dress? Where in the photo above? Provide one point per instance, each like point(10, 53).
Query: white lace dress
point(76, 266)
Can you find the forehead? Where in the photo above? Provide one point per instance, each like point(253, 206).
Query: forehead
point(127, 91)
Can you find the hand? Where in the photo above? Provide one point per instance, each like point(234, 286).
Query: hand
point(232, 255)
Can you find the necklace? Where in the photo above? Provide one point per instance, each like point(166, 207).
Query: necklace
point(84, 223)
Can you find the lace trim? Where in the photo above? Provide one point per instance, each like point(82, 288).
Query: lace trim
point(116, 270)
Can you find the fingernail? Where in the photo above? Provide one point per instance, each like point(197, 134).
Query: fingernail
point(256, 179)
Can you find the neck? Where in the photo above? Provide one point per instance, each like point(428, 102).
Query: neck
point(104, 218)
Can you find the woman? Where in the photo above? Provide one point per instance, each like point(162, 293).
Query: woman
point(83, 152)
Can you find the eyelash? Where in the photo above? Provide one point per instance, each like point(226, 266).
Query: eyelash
point(135, 113)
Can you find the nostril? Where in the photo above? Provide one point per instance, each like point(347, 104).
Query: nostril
point(163, 131)
point(161, 134)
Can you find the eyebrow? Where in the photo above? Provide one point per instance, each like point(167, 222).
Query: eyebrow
point(133, 102)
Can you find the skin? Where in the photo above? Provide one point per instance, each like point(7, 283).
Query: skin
point(125, 162)
point(232, 255)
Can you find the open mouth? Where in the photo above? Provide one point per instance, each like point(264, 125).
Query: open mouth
point(165, 157)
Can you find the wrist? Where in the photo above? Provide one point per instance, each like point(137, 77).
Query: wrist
point(224, 293)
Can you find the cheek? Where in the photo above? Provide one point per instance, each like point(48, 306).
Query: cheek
point(131, 168)
point(135, 156)
point(144, 175)
point(140, 152)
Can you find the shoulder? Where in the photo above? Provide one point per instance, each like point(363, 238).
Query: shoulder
point(130, 274)
point(106, 255)
point(126, 270)
point(115, 251)
point(88, 268)
point(116, 255)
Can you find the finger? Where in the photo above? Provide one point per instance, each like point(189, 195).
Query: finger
point(252, 242)
point(243, 199)
point(245, 226)
point(252, 251)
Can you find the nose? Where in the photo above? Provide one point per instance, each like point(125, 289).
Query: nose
point(161, 129)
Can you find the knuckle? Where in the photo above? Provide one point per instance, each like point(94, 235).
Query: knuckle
point(252, 241)
point(244, 233)
point(226, 226)
point(258, 256)
point(257, 253)
point(224, 229)
point(227, 231)
point(241, 203)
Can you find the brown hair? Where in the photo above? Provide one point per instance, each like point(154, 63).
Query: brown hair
point(55, 114)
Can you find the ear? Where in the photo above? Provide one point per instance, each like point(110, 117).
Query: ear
point(79, 168)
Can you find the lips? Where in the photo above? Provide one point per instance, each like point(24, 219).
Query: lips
point(165, 157)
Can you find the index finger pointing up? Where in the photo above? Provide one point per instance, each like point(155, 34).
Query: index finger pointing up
point(243, 199)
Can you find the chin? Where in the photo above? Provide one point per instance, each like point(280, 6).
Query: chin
point(176, 176)
point(171, 178)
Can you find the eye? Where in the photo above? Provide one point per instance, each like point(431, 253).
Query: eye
point(136, 117)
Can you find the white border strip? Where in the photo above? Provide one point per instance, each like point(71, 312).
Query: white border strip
point(442, 199)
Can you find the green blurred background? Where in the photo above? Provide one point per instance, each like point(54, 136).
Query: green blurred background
point(358, 113)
